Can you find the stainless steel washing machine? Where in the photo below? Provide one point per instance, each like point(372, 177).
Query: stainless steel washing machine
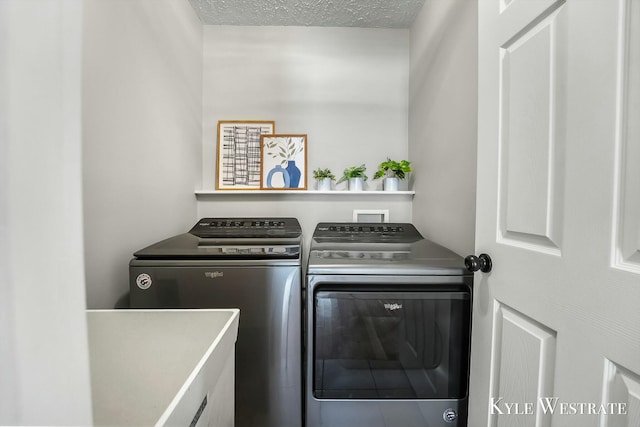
point(247, 263)
point(387, 329)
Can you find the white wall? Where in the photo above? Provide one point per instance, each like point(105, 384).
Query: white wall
point(346, 88)
point(443, 121)
point(44, 363)
point(142, 116)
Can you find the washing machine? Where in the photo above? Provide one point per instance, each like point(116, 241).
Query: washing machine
point(253, 264)
point(387, 329)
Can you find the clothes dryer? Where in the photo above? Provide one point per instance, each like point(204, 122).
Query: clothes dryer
point(388, 320)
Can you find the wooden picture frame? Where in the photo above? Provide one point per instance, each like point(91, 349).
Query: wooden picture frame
point(239, 154)
point(284, 162)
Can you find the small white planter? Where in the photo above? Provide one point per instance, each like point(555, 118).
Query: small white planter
point(391, 184)
point(324, 184)
point(356, 184)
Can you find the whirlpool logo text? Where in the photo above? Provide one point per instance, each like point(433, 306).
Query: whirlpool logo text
point(392, 306)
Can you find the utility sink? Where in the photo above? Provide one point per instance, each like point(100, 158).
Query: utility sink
point(162, 367)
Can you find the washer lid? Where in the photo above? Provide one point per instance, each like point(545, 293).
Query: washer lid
point(231, 238)
point(188, 246)
point(379, 249)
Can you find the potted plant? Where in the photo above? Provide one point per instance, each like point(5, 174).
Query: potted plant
point(393, 172)
point(324, 178)
point(356, 177)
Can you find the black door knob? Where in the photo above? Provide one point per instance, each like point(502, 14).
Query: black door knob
point(474, 263)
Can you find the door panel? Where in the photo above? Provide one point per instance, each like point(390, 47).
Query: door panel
point(627, 227)
point(530, 149)
point(621, 385)
point(522, 367)
point(558, 210)
point(516, 15)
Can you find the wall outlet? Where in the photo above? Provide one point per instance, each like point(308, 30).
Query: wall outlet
point(371, 215)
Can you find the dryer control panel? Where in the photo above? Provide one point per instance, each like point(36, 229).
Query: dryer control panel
point(366, 232)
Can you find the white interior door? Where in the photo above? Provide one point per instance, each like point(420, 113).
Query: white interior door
point(557, 320)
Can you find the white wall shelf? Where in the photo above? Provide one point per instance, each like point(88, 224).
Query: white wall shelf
point(222, 193)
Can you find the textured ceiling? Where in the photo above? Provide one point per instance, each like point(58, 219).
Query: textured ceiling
point(315, 13)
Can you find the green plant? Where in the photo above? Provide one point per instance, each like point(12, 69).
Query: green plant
point(354, 172)
point(391, 168)
point(283, 149)
point(323, 173)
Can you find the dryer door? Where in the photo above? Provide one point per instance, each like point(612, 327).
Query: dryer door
point(378, 344)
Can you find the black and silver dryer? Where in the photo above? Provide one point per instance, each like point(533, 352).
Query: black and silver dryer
point(388, 319)
point(247, 263)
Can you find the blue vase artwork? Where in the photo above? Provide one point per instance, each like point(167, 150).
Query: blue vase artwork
point(294, 174)
point(285, 176)
point(288, 155)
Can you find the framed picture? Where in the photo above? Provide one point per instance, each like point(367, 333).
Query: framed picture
point(284, 162)
point(239, 155)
